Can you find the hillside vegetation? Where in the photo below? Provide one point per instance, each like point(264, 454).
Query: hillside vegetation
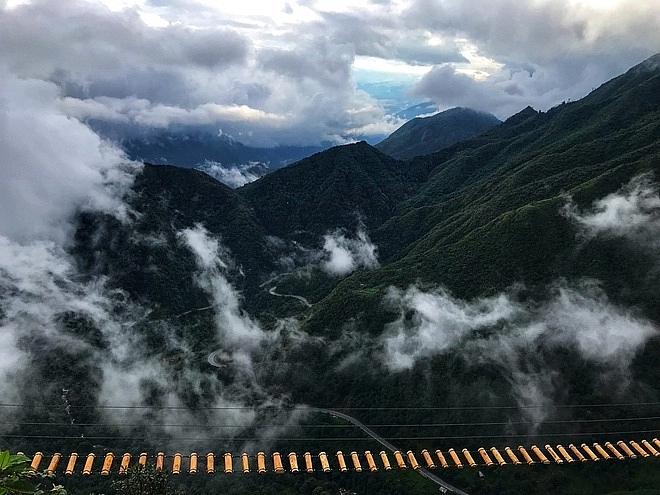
point(502, 290)
point(424, 135)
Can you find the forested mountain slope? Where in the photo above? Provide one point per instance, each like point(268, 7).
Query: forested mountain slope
point(491, 210)
point(342, 187)
point(424, 135)
point(501, 291)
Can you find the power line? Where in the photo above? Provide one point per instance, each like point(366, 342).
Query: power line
point(334, 439)
point(314, 426)
point(291, 406)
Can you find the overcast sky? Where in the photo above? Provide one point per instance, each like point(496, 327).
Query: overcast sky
point(272, 72)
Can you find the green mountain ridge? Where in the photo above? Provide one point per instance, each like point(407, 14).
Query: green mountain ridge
point(467, 192)
point(491, 227)
point(424, 135)
point(475, 217)
point(342, 187)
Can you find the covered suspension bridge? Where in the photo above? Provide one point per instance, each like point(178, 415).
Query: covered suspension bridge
point(293, 462)
point(427, 462)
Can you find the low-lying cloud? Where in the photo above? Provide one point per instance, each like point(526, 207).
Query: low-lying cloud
point(340, 255)
point(508, 333)
point(235, 175)
point(580, 316)
point(439, 323)
point(52, 168)
point(53, 165)
point(236, 329)
point(343, 255)
point(633, 212)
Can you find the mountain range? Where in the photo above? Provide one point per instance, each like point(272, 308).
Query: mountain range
point(424, 135)
point(509, 279)
point(213, 154)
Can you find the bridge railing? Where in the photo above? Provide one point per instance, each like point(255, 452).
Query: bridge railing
point(111, 463)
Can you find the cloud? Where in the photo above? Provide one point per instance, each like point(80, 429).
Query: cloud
point(52, 165)
point(88, 41)
point(602, 332)
point(143, 112)
point(537, 31)
point(55, 167)
point(331, 67)
point(633, 212)
point(50, 311)
point(340, 255)
point(283, 74)
point(514, 336)
point(503, 26)
point(344, 255)
point(383, 37)
point(530, 53)
point(111, 66)
point(176, 406)
point(439, 323)
point(41, 291)
point(236, 175)
point(512, 87)
point(237, 331)
point(581, 317)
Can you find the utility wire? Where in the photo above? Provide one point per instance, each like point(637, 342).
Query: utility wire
point(453, 408)
point(352, 439)
point(314, 426)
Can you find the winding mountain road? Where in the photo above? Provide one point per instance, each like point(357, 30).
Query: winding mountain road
point(272, 292)
point(444, 486)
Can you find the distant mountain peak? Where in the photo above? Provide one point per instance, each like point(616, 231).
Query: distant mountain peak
point(425, 135)
point(521, 116)
point(652, 63)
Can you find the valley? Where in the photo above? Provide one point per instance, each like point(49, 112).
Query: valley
point(499, 291)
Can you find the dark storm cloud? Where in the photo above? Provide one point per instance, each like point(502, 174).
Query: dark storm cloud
point(447, 87)
point(282, 73)
point(321, 60)
point(502, 27)
point(549, 51)
point(445, 84)
point(169, 86)
point(89, 41)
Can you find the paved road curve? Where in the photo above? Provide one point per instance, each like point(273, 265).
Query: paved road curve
point(445, 487)
point(272, 292)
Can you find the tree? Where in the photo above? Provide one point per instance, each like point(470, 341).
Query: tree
point(16, 477)
point(144, 480)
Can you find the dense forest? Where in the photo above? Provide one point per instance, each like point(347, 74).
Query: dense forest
point(500, 291)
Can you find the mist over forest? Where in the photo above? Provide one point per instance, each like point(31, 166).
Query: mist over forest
point(461, 255)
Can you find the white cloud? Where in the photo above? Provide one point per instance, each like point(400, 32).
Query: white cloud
point(575, 316)
point(12, 359)
point(440, 323)
point(503, 332)
point(282, 73)
point(52, 165)
point(131, 383)
point(344, 255)
point(632, 212)
point(39, 285)
point(237, 331)
point(601, 331)
point(236, 175)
